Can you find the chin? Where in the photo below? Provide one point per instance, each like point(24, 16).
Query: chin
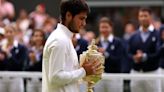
point(75, 31)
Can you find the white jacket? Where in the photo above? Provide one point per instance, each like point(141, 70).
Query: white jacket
point(61, 70)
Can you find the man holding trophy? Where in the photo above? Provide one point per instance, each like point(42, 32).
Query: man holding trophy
point(61, 71)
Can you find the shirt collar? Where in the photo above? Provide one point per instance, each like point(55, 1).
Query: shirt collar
point(150, 28)
point(65, 30)
point(110, 38)
point(78, 36)
point(15, 43)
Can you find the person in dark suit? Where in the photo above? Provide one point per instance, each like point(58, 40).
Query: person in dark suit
point(161, 47)
point(17, 57)
point(16, 54)
point(81, 46)
point(161, 53)
point(35, 60)
point(129, 32)
point(112, 49)
point(143, 51)
point(34, 66)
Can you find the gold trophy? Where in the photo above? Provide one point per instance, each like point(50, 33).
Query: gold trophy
point(89, 56)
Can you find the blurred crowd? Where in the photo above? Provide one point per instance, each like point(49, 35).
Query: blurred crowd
point(139, 50)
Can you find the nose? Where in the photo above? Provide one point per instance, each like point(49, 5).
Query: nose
point(84, 23)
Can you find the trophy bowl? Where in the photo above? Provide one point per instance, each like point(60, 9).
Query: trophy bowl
point(89, 56)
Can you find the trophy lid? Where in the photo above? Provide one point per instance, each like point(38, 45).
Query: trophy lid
point(92, 46)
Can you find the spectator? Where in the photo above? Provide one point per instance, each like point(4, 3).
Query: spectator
point(82, 32)
point(35, 60)
point(112, 49)
point(7, 9)
point(35, 52)
point(23, 24)
point(143, 51)
point(16, 52)
point(23, 20)
point(49, 25)
point(161, 53)
point(19, 34)
point(39, 16)
point(28, 34)
point(128, 32)
point(89, 36)
point(79, 43)
point(16, 59)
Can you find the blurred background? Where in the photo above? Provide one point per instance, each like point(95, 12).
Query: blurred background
point(21, 46)
point(120, 11)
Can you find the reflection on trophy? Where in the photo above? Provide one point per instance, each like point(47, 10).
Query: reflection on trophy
point(92, 55)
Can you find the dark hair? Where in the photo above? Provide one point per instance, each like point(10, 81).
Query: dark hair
point(105, 20)
point(74, 7)
point(42, 33)
point(131, 23)
point(146, 9)
point(9, 27)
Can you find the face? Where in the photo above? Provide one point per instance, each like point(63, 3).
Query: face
point(129, 28)
point(23, 14)
point(38, 38)
point(89, 36)
point(157, 25)
point(77, 22)
point(40, 9)
point(144, 18)
point(105, 29)
point(9, 33)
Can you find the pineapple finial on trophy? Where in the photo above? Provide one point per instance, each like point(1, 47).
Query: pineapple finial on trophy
point(92, 46)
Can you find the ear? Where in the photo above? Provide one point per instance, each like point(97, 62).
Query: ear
point(68, 16)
